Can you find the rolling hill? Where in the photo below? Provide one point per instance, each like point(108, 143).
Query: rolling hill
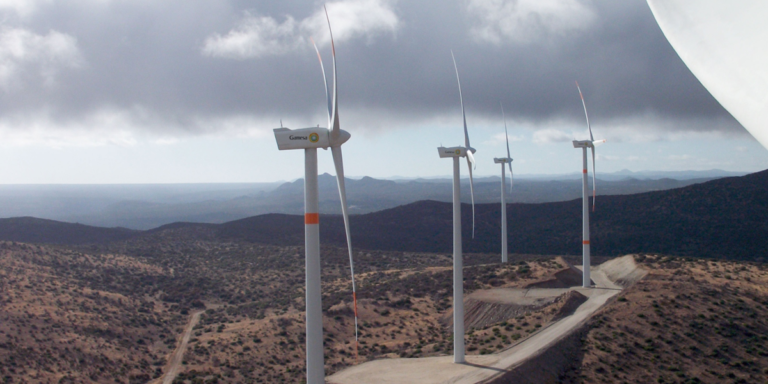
point(34, 230)
point(724, 218)
point(145, 210)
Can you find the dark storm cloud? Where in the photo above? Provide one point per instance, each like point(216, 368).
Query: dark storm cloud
point(149, 56)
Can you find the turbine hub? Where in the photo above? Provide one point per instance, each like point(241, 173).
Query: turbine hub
point(343, 137)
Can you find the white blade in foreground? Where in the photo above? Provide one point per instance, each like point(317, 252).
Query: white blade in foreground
point(724, 44)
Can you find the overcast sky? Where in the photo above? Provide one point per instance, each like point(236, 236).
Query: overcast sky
point(118, 91)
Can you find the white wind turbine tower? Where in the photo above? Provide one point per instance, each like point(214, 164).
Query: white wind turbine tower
point(502, 161)
point(458, 272)
point(591, 144)
point(310, 139)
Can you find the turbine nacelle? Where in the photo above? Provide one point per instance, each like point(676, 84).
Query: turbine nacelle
point(303, 138)
point(582, 144)
point(454, 151)
point(587, 143)
point(502, 160)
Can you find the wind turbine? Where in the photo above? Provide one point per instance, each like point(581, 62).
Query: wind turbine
point(458, 272)
point(502, 161)
point(310, 139)
point(591, 144)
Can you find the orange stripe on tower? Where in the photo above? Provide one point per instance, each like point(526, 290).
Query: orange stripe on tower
point(584, 171)
point(585, 242)
point(311, 218)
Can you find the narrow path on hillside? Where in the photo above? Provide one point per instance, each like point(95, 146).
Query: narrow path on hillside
point(178, 354)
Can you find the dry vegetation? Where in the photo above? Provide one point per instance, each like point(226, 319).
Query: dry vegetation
point(71, 317)
point(114, 313)
point(400, 316)
point(688, 321)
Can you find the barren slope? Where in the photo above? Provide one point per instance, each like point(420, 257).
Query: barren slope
point(688, 321)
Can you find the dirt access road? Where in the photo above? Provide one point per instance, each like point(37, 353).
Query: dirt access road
point(480, 368)
point(178, 355)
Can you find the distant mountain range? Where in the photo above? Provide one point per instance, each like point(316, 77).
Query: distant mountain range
point(724, 218)
point(150, 206)
point(623, 174)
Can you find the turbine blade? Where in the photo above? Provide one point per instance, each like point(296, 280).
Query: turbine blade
point(506, 133)
point(511, 176)
point(598, 142)
point(471, 158)
point(334, 123)
point(461, 99)
point(589, 127)
point(594, 186)
point(325, 81)
point(339, 163)
point(470, 162)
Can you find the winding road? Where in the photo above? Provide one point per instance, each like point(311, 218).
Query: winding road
point(480, 368)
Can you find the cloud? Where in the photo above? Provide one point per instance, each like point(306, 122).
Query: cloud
point(28, 8)
point(257, 35)
point(20, 7)
point(652, 127)
point(501, 139)
point(551, 135)
point(24, 53)
point(157, 55)
point(42, 129)
point(122, 127)
point(527, 21)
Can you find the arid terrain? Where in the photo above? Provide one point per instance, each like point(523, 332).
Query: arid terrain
point(67, 316)
point(688, 321)
point(116, 312)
